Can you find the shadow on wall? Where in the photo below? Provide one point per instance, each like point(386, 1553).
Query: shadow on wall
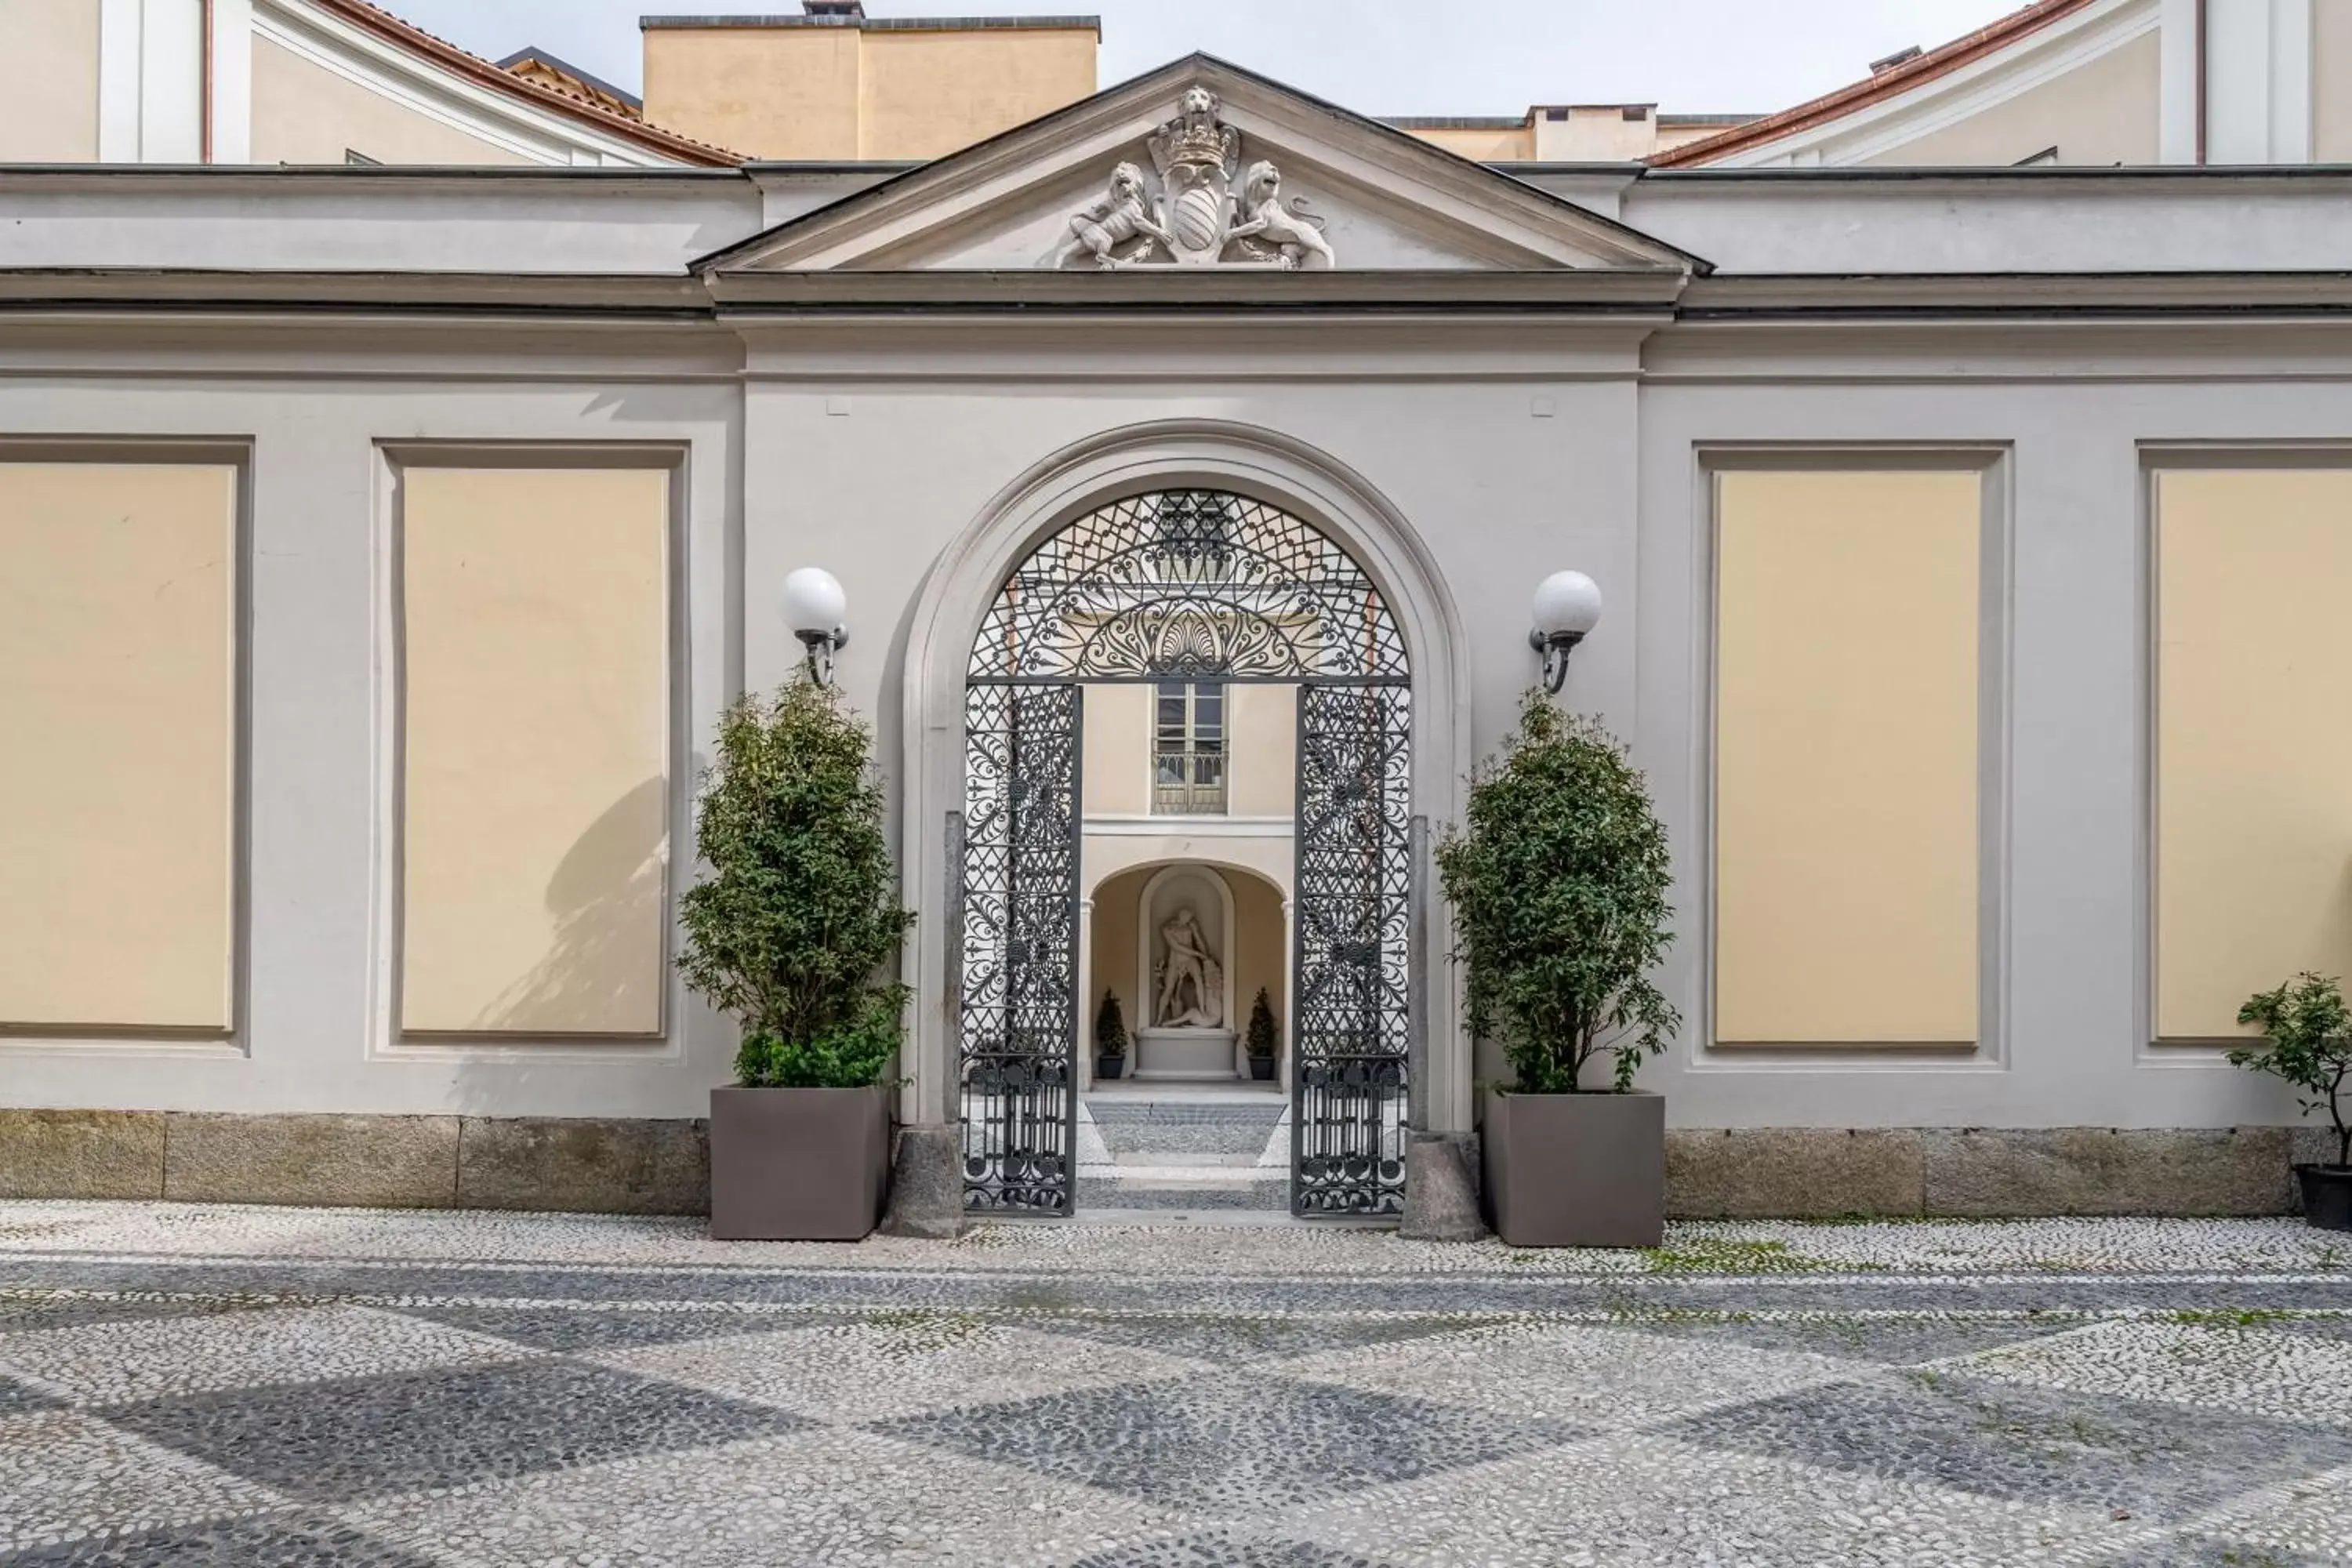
point(605, 968)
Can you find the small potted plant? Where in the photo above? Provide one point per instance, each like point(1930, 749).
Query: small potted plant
point(2310, 1046)
point(1264, 1039)
point(1110, 1038)
point(1559, 887)
point(792, 933)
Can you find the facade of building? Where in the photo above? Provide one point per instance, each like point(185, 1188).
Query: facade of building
point(377, 547)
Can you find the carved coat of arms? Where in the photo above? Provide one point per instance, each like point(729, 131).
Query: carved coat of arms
point(1207, 211)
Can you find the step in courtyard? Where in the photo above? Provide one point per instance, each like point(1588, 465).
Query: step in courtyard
point(1222, 1147)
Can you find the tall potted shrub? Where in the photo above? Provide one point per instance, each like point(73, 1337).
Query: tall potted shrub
point(2310, 1046)
point(1559, 884)
point(793, 934)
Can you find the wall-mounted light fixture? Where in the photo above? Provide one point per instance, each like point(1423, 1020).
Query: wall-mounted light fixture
point(817, 612)
point(1568, 606)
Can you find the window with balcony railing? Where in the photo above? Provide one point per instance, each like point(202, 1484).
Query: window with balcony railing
point(1188, 762)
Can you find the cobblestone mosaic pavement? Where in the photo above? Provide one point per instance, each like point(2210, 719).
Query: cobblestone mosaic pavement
point(210, 1385)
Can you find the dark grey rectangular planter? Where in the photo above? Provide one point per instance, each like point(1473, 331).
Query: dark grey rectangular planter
point(798, 1164)
point(1577, 1170)
point(2326, 1195)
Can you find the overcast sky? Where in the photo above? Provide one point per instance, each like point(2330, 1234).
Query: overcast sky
point(1377, 56)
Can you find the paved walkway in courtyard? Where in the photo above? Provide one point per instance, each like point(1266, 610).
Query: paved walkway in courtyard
point(209, 1386)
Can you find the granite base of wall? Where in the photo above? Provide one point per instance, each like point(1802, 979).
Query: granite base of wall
point(1983, 1173)
point(623, 1166)
point(581, 1165)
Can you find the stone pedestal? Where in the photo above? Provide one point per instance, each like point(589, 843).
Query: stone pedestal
point(1184, 1055)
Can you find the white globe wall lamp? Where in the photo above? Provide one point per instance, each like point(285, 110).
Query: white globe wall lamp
point(1568, 606)
point(817, 612)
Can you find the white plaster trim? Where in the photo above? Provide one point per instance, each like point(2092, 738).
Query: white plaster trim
point(371, 62)
point(1957, 96)
point(2291, 64)
point(232, 87)
point(2177, 84)
point(120, 41)
point(964, 579)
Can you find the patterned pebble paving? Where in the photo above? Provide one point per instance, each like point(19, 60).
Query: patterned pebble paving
point(191, 1385)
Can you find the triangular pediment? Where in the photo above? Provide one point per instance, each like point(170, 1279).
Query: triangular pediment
point(1171, 171)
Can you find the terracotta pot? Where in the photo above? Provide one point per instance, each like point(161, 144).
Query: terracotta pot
point(1577, 1170)
point(1109, 1066)
point(1261, 1070)
point(798, 1164)
point(2326, 1195)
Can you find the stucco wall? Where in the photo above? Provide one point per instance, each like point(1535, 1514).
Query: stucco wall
point(2254, 852)
point(118, 775)
point(1261, 750)
point(819, 93)
point(305, 113)
point(1512, 145)
point(535, 743)
point(2331, 83)
point(1845, 757)
point(2103, 111)
point(48, 82)
point(925, 93)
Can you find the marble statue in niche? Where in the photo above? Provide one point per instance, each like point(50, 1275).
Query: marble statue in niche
point(1192, 982)
point(1199, 217)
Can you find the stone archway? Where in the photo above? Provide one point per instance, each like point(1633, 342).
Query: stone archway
point(1395, 712)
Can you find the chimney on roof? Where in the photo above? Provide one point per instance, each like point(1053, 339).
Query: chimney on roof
point(835, 7)
point(1877, 68)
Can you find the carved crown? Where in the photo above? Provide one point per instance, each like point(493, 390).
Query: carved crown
point(1196, 136)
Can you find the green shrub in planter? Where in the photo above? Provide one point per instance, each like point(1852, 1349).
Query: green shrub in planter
point(1559, 884)
point(1559, 889)
point(1264, 1039)
point(794, 932)
point(2310, 1046)
point(1110, 1038)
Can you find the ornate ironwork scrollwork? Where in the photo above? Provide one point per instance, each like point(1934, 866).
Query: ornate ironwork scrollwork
point(1351, 1015)
point(1188, 584)
point(1020, 958)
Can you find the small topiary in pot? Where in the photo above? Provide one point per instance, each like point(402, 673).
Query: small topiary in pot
point(1110, 1038)
point(1264, 1039)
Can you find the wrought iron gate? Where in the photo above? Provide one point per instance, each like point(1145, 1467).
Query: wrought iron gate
point(1194, 586)
point(1020, 960)
point(1351, 995)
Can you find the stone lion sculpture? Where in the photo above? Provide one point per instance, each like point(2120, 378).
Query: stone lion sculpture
point(1123, 212)
point(1290, 232)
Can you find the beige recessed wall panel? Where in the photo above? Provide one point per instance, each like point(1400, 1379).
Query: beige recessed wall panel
point(305, 113)
point(535, 703)
point(2254, 763)
point(48, 82)
point(1846, 747)
point(118, 745)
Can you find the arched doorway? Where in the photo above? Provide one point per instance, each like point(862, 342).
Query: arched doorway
point(1186, 583)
